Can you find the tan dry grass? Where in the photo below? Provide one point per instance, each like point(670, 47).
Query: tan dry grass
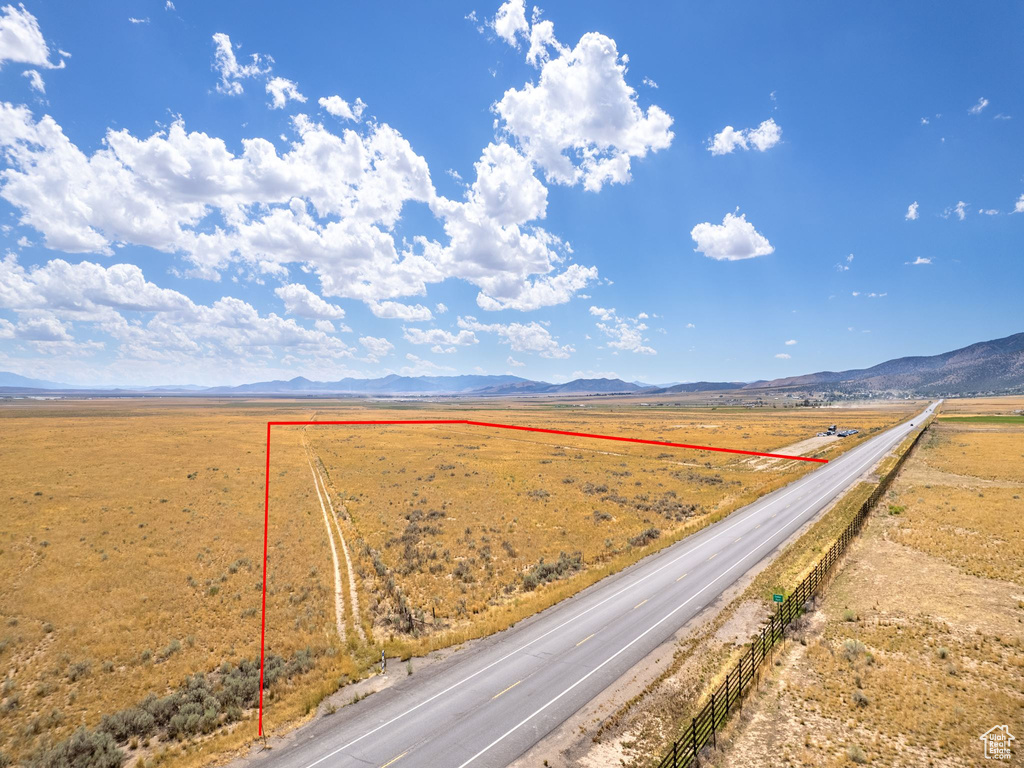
point(129, 525)
point(934, 654)
point(455, 515)
point(646, 725)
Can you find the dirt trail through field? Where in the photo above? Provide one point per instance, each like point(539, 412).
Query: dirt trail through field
point(339, 601)
point(353, 596)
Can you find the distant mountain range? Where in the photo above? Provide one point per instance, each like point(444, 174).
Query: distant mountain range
point(591, 386)
point(14, 380)
point(390, 385)
point(702, 386)
point(989, 366)
point(431, 385)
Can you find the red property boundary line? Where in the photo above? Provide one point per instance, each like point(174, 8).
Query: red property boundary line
point(466, 422)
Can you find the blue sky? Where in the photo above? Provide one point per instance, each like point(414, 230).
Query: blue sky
point(218, 193)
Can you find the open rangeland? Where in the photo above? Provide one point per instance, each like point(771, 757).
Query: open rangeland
point(131, 544)
point(918, 648)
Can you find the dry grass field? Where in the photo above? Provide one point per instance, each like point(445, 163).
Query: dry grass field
point(458, 528)
point(918, 648)
point(131, 545)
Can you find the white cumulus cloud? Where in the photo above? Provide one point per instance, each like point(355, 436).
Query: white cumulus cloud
point(581, 121)
point(734, 239)
point(439, 336)
point(492, 244)
point(625, 333)
point(21, 40)
point(35, 80)
point(762, 138)
point(328, 204)
point(977, 108)
point(375, 347)
point(230, 70)
point(341, 109)
point(521, 337)
point(299, 300)
point(281, 91)
point(395, 310)
point(911, 211)
point(147, 324)
point(510, 21)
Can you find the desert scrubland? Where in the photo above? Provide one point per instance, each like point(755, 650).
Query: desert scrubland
point(131, 544)
point(918, 647)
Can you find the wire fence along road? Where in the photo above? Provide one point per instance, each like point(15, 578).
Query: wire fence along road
point(492, 701)
point(704, 727)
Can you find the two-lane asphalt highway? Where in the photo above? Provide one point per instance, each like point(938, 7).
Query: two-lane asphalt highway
point(490, 702)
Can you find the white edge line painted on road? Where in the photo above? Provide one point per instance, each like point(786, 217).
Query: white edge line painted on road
point(636, 639)
point(611, 658)
point(797, 484)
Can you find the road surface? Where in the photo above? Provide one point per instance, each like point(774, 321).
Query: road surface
point(487, 704)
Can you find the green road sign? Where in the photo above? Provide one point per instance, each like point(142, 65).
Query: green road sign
point(777, 598)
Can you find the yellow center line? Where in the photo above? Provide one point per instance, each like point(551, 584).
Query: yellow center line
point(395, 759)
point(681, 577)
point(775, 514)
point(713, 556)
point(640, 603)
point(581, 642)
point(757, 526)
point(737, 539)
point(517, 682)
